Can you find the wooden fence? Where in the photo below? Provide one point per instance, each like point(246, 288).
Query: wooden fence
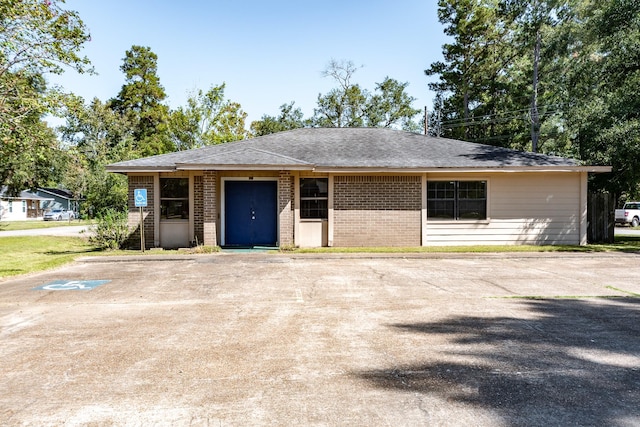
point(601, 218)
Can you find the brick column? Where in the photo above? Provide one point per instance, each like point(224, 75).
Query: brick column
point(198, 209)
point(285, 208)
point(210, 215)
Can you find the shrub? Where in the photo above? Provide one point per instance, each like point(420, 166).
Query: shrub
point(205, 249)
point(111, 230)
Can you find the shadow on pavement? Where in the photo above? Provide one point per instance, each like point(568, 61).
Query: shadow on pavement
point(76, 252)
point(569, 362)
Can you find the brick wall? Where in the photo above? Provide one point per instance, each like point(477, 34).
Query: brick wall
point(377, 211)
point(285, 208)
point(210, 208)
point(198, 208)
point(134, 213)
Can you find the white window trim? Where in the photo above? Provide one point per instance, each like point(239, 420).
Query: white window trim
point(189, 199)
point(300, 198)
point(487, 220)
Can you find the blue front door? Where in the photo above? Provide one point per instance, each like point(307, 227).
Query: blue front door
point(251, 215)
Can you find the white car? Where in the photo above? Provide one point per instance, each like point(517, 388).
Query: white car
point(58, 215)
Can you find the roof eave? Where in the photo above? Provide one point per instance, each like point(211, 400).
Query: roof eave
point(35, 197)
point(363, 169)
point(55, 194)
point(138, 169)
point(503, 169)
point(191, 167)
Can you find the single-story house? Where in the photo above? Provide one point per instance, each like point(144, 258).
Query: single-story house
point(357, 187)
point(25, 205)
point(59, 198)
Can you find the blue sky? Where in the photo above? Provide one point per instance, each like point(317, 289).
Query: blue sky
point(268, 52)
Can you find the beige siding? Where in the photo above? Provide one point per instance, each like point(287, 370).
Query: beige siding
point(313, 233)
point(523, 208)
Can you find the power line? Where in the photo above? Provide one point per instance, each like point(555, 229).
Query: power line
point(480, 122)
point(511, 112)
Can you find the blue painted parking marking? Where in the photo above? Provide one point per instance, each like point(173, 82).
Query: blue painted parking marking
point(71, 285)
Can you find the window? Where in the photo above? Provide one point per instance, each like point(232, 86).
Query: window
point(457, 200)
point(24, 206)
point(314, 193)
point(174, 198)
point(10, 206)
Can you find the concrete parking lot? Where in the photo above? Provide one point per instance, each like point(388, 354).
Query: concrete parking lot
point(273, 339)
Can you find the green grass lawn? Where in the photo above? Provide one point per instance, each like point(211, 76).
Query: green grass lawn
point(27, 254)
point(33, 224)
point(621, 244)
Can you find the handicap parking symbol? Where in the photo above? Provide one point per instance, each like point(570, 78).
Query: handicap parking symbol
point(71, 285)
point(140, 197)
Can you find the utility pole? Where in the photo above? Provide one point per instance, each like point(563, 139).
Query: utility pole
point(535, 117)
point(426, 121)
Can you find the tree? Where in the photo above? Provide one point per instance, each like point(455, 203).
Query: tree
point(602, 82)
point(97, 131)
point(350, 106)
point(140, 101)
point(571, 78)
point(29, 151)
point(40, 37)
point(501, 79)
point(472, 88)
point(95, 136)
point(36, 38)
point(532, 24)
point(343, 106)
point(207, 119)
point(391, 105)
point(289, 118)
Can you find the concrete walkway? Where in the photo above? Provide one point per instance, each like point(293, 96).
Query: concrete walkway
point(626, 231)
point(70, 231)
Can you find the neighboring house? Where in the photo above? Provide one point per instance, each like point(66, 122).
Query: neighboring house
point(357, 187)
point(25, 205)
point(59, 199)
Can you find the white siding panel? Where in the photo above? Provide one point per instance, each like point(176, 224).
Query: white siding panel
point(523, 208)
point(17, 213)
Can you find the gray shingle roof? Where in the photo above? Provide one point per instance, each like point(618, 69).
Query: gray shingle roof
point(344, 148)
point(23, 195)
